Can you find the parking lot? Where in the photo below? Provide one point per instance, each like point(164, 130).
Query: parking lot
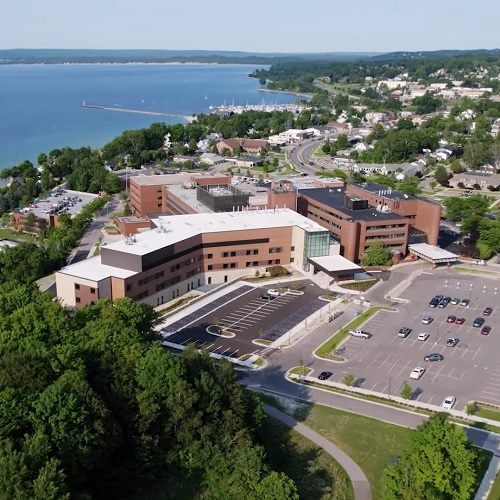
point(246, 316)
point(59, 201)
point(469, 371)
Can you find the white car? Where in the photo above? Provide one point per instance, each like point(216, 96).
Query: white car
point(417, 372)
point(448, 402)
point(360, 333)
point(423, 336)
point(273, 292)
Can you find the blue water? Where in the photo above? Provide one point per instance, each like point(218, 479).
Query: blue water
point(40, 106)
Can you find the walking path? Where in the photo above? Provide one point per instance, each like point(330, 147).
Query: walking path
point(360, 484)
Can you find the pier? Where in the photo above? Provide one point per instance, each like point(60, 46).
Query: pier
point(139, 111)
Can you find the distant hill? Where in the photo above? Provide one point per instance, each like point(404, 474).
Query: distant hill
point(434, 54)
point(60, 56)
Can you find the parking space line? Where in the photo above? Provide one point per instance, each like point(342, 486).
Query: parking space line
point(393, 365)
point(437, 374)
point(225, 350)
point(186, 341)
point(384, 362)
point(403, 369)
point(474, 357)
point(233, 353)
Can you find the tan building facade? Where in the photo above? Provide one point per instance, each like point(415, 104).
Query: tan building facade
point(185, 252)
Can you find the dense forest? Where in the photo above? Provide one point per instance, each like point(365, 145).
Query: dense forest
point(92, 407)
point(299, 76)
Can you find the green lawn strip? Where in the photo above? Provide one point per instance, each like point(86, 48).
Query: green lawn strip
point(300, 370)
point(495, 489)
point(395, 404)
point(10, 234)
point(372, 444)
point(486, 412)
point(316, 474)
point(324, 350)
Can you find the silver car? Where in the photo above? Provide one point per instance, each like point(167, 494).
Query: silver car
point(427, 320)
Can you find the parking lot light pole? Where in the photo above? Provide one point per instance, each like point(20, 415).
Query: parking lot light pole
point(389, 387)
point(437, 334)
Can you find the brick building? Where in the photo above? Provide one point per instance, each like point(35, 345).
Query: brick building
point(361, 214)
point(184, 252)
point(245, 145)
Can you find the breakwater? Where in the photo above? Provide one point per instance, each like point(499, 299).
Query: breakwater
point(188, 118)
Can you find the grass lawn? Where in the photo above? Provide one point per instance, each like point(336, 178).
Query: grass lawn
point(10, 234)
point(300, 370)
point(325, 350)
point(487, 412)
point(317, 475)
point(495, 490)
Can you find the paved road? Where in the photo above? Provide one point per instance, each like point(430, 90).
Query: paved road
point(95, 231)
point(361, 486)
point(272, 378)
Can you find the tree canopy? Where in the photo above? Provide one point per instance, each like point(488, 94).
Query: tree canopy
point(377, 255)
point(438, 464)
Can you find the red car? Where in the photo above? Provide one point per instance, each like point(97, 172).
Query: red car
point(451, 319)
point(460, 321)
point(486, 330)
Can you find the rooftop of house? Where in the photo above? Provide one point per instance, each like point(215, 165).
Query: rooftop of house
point(335, 198)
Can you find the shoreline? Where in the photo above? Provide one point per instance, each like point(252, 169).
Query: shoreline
point(130, 63)
point(298, 94)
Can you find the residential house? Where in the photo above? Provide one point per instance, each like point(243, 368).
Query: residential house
point(376, 117)
point(211, 159)
point(339, 127)
point(246, 145)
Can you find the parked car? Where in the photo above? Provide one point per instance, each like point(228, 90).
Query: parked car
point(486, 330)
point(448, 402)
point(487, 311)
point(464, 302)
point(455, 301)
point(423, 336)
point(267, 297)
point(404, 331)
point(434, 302)
point(459, 321)
point(325, 375)
point(417, 372)
point(273, 292)
point(451, 319)
point(478, 322)
point(444, 302)
point(360, 333)
point(435, 356)
point(427, 320)
point(452, 342)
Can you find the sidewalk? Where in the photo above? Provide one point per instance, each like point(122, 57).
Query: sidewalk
point(360, 484)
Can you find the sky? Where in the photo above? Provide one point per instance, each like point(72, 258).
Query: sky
point(253, 26)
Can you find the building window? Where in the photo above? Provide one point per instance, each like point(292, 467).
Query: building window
point(210, 256)
point(233, 254)
point(225, 279)
point(249, 252)
point(159, 205)
point(92, 290)
point(276, 250)
point(256, 252)
point(255, 263)
point(77, 286)
point(78, 300)
point(278, 261)
point(209, 280)
point(210, 267)
point(292, 249)
point(225, 266)
point(248, 264)
point(233, 265)
point(292, 260)
point(270, 261)
point(129, 287)
point(225, 254)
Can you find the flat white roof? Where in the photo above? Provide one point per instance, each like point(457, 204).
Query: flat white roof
point(92, 269)
point(335, 263)
point(431, 252)
point(174, 228)
point(167, 179)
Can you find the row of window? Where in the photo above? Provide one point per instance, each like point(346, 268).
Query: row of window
point(152, 277)
point(385, 236)
point(248, 252)
point(312, 215)
point(77, 287)
point(389, 226)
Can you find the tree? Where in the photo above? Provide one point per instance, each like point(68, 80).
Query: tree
point(377, 255)
point(349, 379)
point(441, 175)
point(438, 463)
point(406, 391)
point(29, 223)
point(477, 154)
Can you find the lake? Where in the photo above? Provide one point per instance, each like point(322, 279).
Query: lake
point(40, 105)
